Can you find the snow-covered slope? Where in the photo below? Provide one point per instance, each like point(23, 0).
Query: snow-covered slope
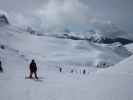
point(60, 51)
point(114, 83)
point(129, 47)
point(18, 47)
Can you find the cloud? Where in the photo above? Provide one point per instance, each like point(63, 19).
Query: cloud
point(60, 14)
point(72, 13)
point(57, 16)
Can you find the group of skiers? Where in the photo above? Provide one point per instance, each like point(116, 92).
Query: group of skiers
point(83, 71)
point(33, 70)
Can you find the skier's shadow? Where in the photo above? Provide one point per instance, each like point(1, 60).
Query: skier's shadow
point(40, 79)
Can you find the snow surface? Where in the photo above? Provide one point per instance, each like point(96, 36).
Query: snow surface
point(109, 84)
point(129, 47)
point(114, 83)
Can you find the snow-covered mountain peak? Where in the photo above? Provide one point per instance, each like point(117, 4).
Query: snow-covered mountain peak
point(100, 32)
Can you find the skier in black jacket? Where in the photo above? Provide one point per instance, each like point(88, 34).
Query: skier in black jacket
point(33, 69)
point(1, 69)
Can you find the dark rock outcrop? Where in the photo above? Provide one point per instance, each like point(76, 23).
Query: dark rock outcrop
point(3, 20)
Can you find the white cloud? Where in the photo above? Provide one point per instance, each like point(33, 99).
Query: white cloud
point(57, 15)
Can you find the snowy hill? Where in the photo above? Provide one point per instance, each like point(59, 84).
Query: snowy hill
point(129, 47)
point(18, 47)
point(61, 51)
point(114, 83)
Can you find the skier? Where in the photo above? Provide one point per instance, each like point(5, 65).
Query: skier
point(71, 71)
point(84, 71)
point(60, 69)
point(33, 69)
point(1, 69)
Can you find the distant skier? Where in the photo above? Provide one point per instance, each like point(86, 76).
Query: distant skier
point(84, 71)
point(71, 71)
point(1, 69)
point(33, 69)
point(60, 69)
